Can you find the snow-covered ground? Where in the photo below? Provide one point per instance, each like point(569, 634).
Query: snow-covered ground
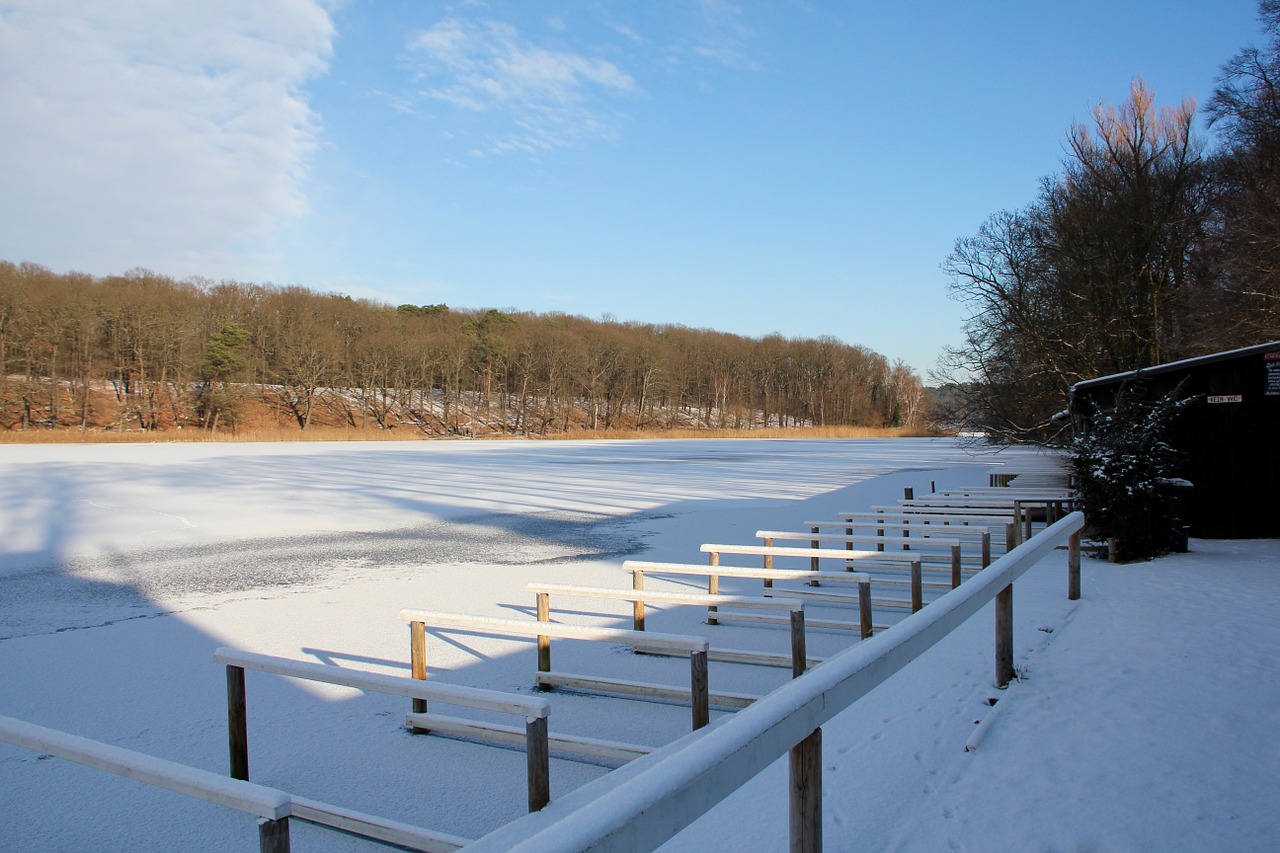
point(1145, 718)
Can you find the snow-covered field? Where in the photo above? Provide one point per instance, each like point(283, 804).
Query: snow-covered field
point(1145, 718)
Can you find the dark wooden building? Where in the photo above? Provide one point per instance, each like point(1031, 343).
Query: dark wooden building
point(1228, 437)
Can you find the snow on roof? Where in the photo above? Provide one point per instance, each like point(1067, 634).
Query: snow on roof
point(1177, 365)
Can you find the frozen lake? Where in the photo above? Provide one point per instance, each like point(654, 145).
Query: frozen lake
point(123, 567)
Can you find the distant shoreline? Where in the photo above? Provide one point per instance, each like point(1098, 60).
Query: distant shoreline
point(75, 435)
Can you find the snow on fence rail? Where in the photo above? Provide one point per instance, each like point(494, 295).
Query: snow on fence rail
point(699, 695)
point(269, 804)
point(642, 805)
point(797, 660)
point(639, 568)
point(534, 711)
point(273, 807)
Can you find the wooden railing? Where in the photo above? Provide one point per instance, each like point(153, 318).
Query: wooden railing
point(699, 694)
point(642, 805)
point(534, 711)
point(273, 807)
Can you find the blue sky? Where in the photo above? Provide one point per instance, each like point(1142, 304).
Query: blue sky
point(754, 167)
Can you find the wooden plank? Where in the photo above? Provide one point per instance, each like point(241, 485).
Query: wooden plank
point(955, 531)
point(742, 572)
point(827, 624)
point(946, 566)
point(521, 628)
point(641, 689)
point(573, 744)
point(935, 516)
point(380, 829)
point(661, 597)
point(996, 504)
point(845, 599)
point(809, 553)
point(194, 782)
point(1047, 494)
point(743, 656)
point(392, 685)
point(940, 542)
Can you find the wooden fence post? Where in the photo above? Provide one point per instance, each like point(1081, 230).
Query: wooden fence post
point(864, 608)
point(544, 641)
point(806, 794)
point(768, 560)
point(799, 657)
point(986, 548)
point(955, 566)
point(1073, 566)
point(538, 752)
point(637, 606)
point(237, 723)
point(713, 587)
point(1004, 636)
point(273, 835)
point(698, 689)
point(1010, 537)
point(418, 660)
point(917, 587)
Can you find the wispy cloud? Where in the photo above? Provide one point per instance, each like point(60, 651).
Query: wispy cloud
point(548, 98)
point(165, 133)
point(725, 35)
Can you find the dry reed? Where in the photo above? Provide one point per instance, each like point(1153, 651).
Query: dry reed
point(320, 433)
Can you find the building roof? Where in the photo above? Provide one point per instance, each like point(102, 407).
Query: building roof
point(1185, 364)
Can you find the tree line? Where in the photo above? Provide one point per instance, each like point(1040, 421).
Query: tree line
point(194, 352)
point(1148, 246)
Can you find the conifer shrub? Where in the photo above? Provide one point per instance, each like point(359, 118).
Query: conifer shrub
point(1124, 469)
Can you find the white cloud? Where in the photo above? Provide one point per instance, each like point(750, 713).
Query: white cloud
point(726, 36)
point(159, 133)
point(547, 98)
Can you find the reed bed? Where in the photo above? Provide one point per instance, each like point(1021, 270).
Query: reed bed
point(324, 433)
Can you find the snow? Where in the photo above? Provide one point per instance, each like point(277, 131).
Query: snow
point(1144, 716)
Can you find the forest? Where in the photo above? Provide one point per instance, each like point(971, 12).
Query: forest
point(1153, 243)
point(141, 351)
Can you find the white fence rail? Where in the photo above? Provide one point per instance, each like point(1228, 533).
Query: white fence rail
point(269, 804)
point(642, 805)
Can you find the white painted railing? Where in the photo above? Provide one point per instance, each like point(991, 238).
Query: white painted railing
point(272, 806)
point(640, 806)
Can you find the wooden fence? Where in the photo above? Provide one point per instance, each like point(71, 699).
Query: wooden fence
point(273, 807)
point(640, 806)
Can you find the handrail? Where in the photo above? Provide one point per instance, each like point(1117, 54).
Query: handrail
point(640, 806)
point(274, 806)
point(235, 794)
point(391, 685)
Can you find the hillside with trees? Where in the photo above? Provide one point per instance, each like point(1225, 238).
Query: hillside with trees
point(145, 352)
point(1148, 246)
